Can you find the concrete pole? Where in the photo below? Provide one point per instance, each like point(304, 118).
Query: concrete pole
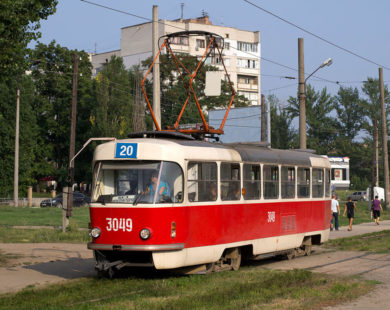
point(268, 122)
point(262, 118)
point(29, 196)
point(72, 133)
point(156, 68)
point(384, 141)
point(65, 218)
point(16, 167)
point(302, 96)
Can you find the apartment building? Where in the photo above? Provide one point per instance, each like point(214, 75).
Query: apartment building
point(241, 52)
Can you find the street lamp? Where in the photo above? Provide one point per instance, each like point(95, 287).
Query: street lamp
point(327, 62)
point(302, 92)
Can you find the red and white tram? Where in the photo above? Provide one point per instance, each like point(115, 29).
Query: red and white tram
point(214, 203)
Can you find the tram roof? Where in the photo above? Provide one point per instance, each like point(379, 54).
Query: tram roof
point(203, 150)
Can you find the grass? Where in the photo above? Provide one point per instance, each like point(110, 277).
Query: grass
point(12, 235)
point(27, 216)
point(363, 213)
point(248, 288)
point(5, 257)
point(378, 242)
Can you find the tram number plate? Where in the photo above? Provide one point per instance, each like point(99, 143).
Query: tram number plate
point(126, 150)
point(119, 224)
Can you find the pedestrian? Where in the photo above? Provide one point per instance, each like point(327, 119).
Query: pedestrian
point(350, 208)
point(335, 213)
point(376, 209)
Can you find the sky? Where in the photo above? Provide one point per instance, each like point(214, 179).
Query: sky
point(360, 26)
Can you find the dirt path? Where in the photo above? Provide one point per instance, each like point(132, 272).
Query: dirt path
point(43, 263)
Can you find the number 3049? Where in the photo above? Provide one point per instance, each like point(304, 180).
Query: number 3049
point(119, 224)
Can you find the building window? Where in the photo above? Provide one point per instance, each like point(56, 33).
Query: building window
point(226, 46)
point(200, 43)
point(247, 47)
point(247, 63)
point(179, 40)
point(252, 182)
point(226, 35)
point(271, 182)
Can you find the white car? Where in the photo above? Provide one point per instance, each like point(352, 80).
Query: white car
point(358, 196)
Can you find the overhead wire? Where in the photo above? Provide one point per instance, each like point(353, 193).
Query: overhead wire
point(316, 36)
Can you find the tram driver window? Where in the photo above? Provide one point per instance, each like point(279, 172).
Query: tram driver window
point(318, 183)
point(252, 182)
point(271, 181)
point(303, 182)
point(230, 181)
point(202, 181)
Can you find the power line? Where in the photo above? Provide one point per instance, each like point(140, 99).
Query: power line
point(316, 36)
point(183, 29)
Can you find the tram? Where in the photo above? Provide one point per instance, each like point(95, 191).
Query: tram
point(169, 201)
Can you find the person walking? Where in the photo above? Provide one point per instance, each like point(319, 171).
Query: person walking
point(376, 209)
point(335, 213)
point(350, 208)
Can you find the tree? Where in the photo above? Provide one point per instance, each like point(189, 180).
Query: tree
point(321, 126)
point(282, 136)
point(372, 111)
point(28, 132)
point(52, 71)
point(112, 115)
point(19, 24)
point(349, 108)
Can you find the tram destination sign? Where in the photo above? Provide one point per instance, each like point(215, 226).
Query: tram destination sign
point(126, 150)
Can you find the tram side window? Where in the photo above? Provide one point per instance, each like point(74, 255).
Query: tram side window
point(230, 181)
point(327, 183)
point(288, 182)
point(303, 182)
point(252, 182)
point(271, 181)
point(318, 183)
point(202, 181)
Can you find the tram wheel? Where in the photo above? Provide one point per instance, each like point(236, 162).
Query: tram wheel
point(307, 250)
point(290, 255)
point(235, 258)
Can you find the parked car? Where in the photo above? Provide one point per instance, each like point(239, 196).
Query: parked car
point(358, 196)
point(79, 199)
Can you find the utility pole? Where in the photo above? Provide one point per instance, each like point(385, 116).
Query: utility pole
point(302, 95)
point(16, 168)
point(262, 118)
point(72, 135)
point(268, 104)
point(384, 140)
point(156, 68)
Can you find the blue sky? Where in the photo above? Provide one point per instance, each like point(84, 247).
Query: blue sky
point(361, 26)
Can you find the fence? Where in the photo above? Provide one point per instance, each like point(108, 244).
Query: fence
point(23, 202)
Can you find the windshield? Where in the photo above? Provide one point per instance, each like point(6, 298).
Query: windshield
point(134, 182)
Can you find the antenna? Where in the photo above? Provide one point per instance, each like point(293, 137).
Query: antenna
point(182, 9)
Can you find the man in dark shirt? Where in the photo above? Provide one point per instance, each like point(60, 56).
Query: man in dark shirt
point(350, 208)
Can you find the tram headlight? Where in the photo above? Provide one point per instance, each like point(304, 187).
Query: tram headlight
point(95, 232)
point(144, 234)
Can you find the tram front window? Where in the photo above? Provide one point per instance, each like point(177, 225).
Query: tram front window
point(137, 182)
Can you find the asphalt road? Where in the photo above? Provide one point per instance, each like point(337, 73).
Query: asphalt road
point(42, 263)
